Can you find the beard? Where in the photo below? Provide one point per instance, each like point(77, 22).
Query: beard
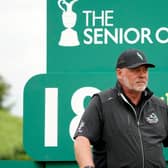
point(137, 85)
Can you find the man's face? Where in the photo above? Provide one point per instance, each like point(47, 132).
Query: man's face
point(135, 79)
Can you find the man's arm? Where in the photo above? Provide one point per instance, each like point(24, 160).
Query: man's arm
point(83, 152)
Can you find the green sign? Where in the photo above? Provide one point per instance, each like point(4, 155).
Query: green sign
point(53, 105)
point(84, 39)
point(102, 30)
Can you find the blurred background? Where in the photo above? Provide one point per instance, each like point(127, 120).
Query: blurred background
point(23, 54)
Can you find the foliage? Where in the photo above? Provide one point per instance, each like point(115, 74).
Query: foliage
point(11, 137)
point(4, 88)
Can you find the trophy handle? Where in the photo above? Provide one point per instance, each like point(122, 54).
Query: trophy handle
point(60, 5)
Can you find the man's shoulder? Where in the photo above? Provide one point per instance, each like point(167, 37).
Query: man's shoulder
point(107, 94)
point(158, 101)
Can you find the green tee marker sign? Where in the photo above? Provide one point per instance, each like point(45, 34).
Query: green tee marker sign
point(53, 106)
point(84, 40)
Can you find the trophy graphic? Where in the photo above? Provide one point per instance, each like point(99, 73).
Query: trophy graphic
point(69, 37)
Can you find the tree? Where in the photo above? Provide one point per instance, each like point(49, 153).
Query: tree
point(4, 89)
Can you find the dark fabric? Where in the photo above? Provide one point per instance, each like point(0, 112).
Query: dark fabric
point(120, 138)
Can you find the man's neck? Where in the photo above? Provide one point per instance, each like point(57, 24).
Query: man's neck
point(133, 96)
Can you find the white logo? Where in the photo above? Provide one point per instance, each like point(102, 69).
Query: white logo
point(81, 126)
point(152, 119)
point(69, 37)
point(139, 55)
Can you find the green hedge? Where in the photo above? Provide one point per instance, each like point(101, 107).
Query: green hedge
point(11, 147)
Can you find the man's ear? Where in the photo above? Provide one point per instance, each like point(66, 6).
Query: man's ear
point(119, 73)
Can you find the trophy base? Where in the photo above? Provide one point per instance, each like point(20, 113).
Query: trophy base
point(69, 37)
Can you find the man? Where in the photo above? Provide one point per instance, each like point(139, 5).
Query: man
point(127, 125)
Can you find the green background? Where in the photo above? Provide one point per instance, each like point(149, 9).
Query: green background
point(102, 58)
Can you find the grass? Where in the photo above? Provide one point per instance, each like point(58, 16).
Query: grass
point(11, 147)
